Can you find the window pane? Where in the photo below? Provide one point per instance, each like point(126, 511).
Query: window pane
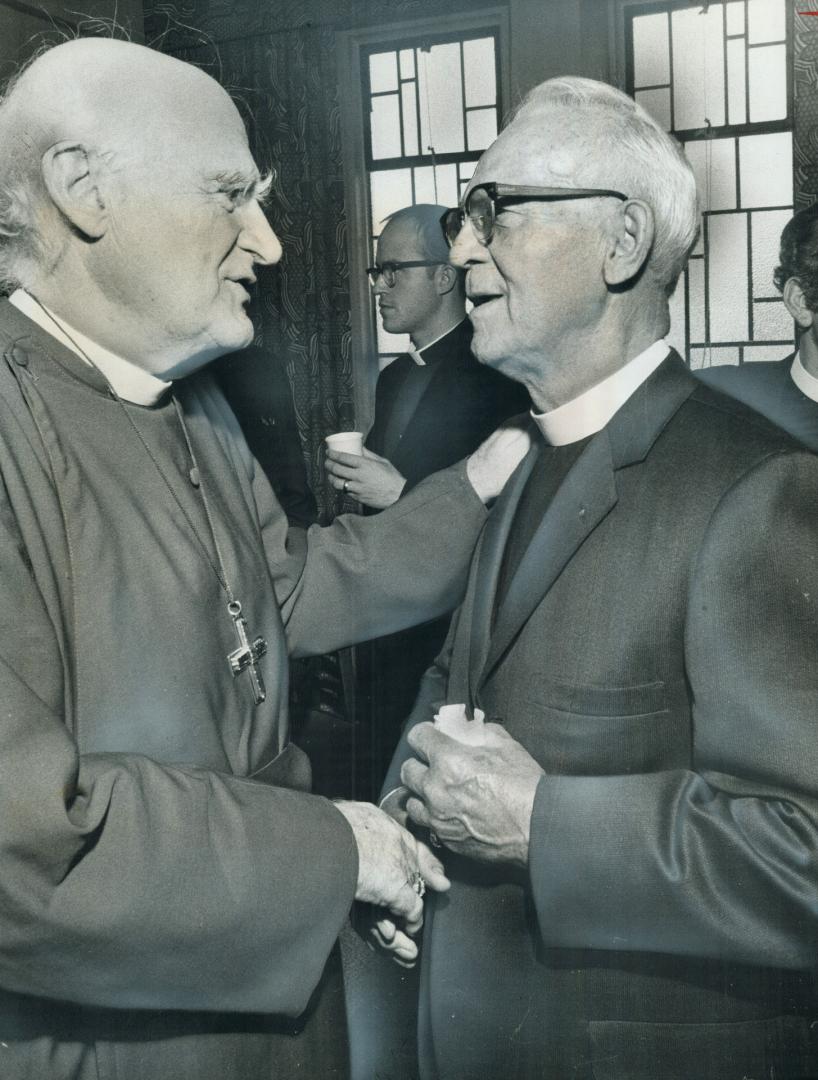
point(390, 190)
point(698, 67)
point(657, 103)
point(408, 100)
point(695, 282)
point(425, 185)
point(766, 233)
point(447, 191)
point(766, 169)
point(714, 165)
point(385, 126)
point(465, 171)
point(482, 128)
point(754, 353)
point(727, 260)
point(768, 83)
point(771, 321)
point(478, 66)
point(735, 17)
point(441, 97)
point(710, 357)
point(383, 72)
point(676, 334)
point(736, 83)
point(766, 20)
point(407, 63)
point(651, 51)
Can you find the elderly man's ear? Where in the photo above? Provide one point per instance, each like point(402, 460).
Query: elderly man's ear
point(630, 242)
point(796, 303)
point(70, 176)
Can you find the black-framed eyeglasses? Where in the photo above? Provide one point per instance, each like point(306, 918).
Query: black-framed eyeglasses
point(389, 269)
point(483, 201)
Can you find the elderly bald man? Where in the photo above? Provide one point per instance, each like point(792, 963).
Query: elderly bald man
point(169, 891)
point(631, 836)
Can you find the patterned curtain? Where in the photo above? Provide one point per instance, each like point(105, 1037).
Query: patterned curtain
point(805, 136)
point(285, 85)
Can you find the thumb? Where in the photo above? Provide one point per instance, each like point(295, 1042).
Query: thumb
point(432, 868)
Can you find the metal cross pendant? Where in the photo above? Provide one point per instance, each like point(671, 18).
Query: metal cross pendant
point(247, 656)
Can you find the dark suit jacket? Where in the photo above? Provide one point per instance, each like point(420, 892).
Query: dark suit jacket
point(426, 418)
point(656, 653)
point(461, 403)
point(768, 388)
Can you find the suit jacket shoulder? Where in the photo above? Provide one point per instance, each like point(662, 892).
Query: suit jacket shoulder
point(768, 388)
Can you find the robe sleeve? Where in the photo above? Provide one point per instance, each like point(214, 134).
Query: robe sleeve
point(128, 884)
point(719, 860)
point(365, 577)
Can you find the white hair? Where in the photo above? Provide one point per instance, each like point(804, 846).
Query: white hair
point(18, 240)
point(640, 158)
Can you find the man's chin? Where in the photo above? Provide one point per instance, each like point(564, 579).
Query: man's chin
point(238, 334)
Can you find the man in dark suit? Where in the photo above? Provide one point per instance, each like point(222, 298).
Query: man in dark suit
point(433, 406)
point(786, 391)
point(631, 837)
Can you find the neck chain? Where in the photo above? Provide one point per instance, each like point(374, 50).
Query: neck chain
point(246, 657)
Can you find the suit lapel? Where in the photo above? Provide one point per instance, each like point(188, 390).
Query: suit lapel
point(427, 380)
point(585, 497)
point(489, 560)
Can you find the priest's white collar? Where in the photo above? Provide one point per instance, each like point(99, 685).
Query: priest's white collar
point(417, 354)
point(130, 382)
point(590, 411)
point(805, 382)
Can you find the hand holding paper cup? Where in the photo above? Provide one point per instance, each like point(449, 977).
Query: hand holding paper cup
point(453, 721)
point(347, 442)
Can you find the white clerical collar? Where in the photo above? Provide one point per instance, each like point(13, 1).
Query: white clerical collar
point(129, 382)
point(417, 354)
point(591, 411)
point(805, 382)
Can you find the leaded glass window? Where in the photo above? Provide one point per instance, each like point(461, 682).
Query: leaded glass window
point(432, 107)
point(718, 75)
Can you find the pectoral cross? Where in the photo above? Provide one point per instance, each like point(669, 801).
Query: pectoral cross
point(247, 656)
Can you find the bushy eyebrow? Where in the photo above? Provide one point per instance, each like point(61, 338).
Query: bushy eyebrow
point(251, 187)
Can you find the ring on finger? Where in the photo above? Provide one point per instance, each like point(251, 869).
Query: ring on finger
point(434, 839)
point(345, 488)
point(415, 880)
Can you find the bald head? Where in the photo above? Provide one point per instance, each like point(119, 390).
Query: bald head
point(119, 99)
point(129, 201)
point(106, 89)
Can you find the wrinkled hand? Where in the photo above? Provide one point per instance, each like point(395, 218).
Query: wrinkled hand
point(388, 856)
point(382, 933)
point(369, 478)
point(495, 459)
point(476, 799)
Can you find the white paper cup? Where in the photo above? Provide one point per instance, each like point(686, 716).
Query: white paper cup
point(348, 442)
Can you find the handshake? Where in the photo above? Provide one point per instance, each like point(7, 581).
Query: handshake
point(394, 871)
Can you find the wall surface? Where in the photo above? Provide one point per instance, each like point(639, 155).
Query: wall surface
point(24, 27)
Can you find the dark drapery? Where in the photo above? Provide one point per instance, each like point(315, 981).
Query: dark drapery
point(285, 85)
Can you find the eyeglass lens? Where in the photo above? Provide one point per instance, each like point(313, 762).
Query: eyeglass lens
point(479, 210)
point(387, 272)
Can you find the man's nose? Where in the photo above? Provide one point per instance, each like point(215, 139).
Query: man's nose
point(466, 248)
point(257, 236)
point(380, 286)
